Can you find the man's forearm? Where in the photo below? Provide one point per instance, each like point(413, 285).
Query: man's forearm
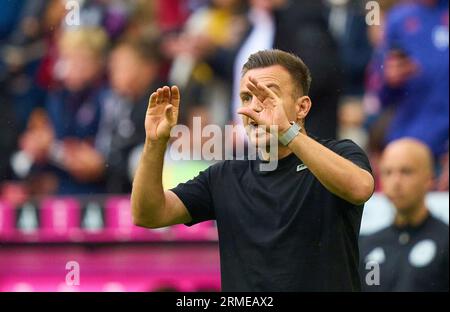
point(147, 197)
point(339, 175)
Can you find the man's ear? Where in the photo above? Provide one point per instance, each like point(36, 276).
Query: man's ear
point(303, 105)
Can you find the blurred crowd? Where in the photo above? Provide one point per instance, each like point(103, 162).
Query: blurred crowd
point(74, 88)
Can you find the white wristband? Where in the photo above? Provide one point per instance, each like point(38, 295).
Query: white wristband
point(290, 134)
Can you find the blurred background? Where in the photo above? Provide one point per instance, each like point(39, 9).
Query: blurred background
point(75, 77)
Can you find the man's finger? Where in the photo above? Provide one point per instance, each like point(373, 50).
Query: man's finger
point(152, 101)
point(261, 92)
point(250, 113)
point(256, 92)
point(263, 89)
point(175, 96)
point(166, 95)
point(159, 96)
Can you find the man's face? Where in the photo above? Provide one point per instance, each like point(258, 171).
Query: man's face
point(280, 82)
point(79, 68)
point(129, 74)
point(405, 176)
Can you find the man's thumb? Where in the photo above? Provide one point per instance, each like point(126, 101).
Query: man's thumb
point(249, 113)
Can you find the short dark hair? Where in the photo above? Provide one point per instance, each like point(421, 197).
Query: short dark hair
point(299, 72)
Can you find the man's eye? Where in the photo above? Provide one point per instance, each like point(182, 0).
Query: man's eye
point(246, 98)
point(386, 172)
point(406, 171)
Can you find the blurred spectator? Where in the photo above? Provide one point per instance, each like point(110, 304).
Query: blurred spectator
point(60, 145)
point(52, 23)
point(374, 76)
point(347, 22)
point(376, 120)
point(114, 17)
point(308, 34)
point(351, 118)
point(133, 72)
point(413, 252)
point(21, 47)
point(8, 136)
point(416, 74)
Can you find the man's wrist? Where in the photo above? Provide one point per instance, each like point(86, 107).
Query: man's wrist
point(284, 127)
point(290, 134)
point(159, 144)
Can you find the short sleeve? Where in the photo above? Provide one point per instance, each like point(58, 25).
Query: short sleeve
point(351, 151)
point(196, 196)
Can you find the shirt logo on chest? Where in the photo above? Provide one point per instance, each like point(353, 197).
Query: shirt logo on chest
point(422, 253)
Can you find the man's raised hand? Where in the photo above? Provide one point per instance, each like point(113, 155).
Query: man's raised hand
point(269, 111)
point(162, 113)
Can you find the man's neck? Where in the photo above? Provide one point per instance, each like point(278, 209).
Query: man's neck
point(413, 217)
point(284, 151)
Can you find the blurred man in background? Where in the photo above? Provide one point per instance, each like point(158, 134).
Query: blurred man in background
point(413, 251)
point(347, 23)
point(133, 71)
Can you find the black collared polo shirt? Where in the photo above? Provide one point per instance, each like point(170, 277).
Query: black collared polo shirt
point(279, 230)
point(409, 258)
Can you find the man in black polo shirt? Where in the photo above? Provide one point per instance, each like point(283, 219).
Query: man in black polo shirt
point(412, 253)
point(294, 228)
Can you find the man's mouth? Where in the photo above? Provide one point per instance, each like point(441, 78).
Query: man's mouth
point(256, 129)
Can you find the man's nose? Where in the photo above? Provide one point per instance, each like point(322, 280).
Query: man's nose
point(396, 180)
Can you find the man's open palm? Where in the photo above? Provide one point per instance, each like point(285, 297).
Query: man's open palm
point(162, 113)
